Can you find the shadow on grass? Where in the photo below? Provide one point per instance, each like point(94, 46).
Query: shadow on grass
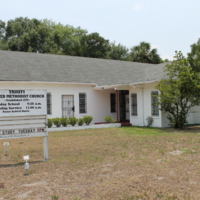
point(19, 164)
point(151, 131)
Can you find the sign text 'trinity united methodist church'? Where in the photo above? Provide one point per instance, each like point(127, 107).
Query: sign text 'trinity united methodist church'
point(22, 102)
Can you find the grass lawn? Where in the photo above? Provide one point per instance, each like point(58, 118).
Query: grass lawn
point(98, 164)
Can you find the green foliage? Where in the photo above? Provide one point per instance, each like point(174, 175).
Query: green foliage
point(3, 45)
point(66, 39)
point(166, 60)
point(109, 119)
point(144, 54)
point(46, 36)
point(80, 121)
point(72, 120)
point(43, 36)
point(23, 33)
point(179, 91)
point(87, 119)
point(64, 121)
point(94, 46)
point(50, 123)
point(117, 52)
point(2, 29)
point(194, 56)
point(56, 122)
point(54, 197)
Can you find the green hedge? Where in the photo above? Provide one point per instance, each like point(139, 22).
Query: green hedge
point(64, 121)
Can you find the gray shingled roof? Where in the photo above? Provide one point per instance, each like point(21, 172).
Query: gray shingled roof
point(21, 66)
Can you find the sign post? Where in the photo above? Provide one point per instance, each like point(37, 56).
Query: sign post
point(23, 114)
point(45, 147)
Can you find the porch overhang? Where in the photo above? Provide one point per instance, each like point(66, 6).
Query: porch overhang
point(114, 87)
point(123, 86)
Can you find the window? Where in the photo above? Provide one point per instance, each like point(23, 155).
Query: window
point(49, 112)
point(134, 104)
point(154, 106)
point(82, 103)
point(112, 103)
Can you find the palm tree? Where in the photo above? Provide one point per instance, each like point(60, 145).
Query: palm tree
point(143, 53)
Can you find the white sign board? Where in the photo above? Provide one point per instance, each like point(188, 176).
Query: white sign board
point(21, 127)
point(23, 114)
point(6, 143)
point(26, 158)
point(22, 102)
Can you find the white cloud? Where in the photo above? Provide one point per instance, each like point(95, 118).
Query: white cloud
point(138, 6)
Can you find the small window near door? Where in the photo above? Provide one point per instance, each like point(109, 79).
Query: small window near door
point(49, 104)
point(154, 106)
point(134, 104)
point(112, 103)
point(82, 103)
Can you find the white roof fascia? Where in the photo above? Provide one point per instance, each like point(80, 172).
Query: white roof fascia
point(145, 82)
point(40, 82)
point(115, 87)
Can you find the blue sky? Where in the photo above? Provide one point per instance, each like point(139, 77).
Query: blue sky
point(167, 25)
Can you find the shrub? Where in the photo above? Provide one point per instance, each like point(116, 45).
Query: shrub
point(56, 122)
point(72, 120)
point(108, 119)
point(87, 119)
point(80, 122)
point(149, 120)
point(64, 121)
point(50, 123)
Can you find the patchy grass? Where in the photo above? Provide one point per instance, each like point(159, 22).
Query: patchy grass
point(128, 163)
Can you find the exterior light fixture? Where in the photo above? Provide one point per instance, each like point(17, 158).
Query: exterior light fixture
point(26, 158)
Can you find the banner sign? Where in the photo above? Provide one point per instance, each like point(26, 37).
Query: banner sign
point(22, 102)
